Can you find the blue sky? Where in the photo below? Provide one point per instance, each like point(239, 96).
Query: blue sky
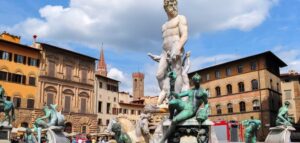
point(130, 29)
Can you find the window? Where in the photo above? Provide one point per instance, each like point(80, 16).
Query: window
point(271, 83)
point(278, 87)
point(120, 110)
point(20, 59)
point(218, 74)
point(50, 98)
point(253, 65)
point(108, 108)
point(124, 111)
point(17, 78)
point(132, 112)
point(51, 69)
point(230, 108)
point(288, 94)
point(67, 107)
point(32, 81)
point(83, 105)
point(115, 99)
point(17, 102)
point(33, 62)
point(83, 129)
point(256, 105)
point(254, 84)
point(68, 72)
point(99, 121)
point(84, 76)
point(218, 91)
point(207, 77)
point(219, 110)
point(5, 55)
point(100, 84)
point(30, 103)
point(139, 112)
point(114, 111)
point(229, 89)
point(242, 106)
point(228, 71)
point(3, 75)
point(240, 68)
point(24, 124)
point(107, 122)
point(241, 87)
point(99, 107)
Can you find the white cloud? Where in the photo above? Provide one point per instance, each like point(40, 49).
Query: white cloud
point(135, 24)
point(205, 61)
point(124, 78)
point(291, 56)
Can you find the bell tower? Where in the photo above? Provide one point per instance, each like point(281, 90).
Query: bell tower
point(138, 85)
point(102, 69)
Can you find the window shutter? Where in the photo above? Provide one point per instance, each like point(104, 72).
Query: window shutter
point(10, 56)
point(1, 54)
point(38, 63)
point(24, 60)
point(15, 57)
point(23, 79)
point(29, 61)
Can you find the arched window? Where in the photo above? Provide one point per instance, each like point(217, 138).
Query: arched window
point(24, 124)
point(256, 105)
point(219, 109)
point(241, 87)
point(50, 99)
point(68, 127)
point(218, 91)
point(230, 108)
point(254, 84)
point(242, 106)
point(229, 89)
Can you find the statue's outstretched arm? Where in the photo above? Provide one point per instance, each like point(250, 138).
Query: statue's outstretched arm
point(47, 115)
point(183, 94)
point(154, 57)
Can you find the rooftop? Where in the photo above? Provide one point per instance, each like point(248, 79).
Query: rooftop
point(267, 53)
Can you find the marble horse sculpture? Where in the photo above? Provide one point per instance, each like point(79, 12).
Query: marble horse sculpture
point(7, 107)
point(252, 126)
point(135, 133)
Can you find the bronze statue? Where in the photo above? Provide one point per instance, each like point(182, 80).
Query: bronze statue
point(182, 110)
point(252, 126)
point(7, 107)
point(283, 115)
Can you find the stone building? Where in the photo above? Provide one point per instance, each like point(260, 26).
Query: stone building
point(67, 79)
point(107, 92)
point(19, 70)
point(243, 88)
point(137, 85)
point(290, 87)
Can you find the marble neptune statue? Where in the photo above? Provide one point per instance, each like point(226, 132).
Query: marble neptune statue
point(283, 115)
point(175, 35)
point(251, 127)
point(181, 110)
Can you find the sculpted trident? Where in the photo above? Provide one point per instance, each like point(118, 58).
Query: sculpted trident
point(175, 33)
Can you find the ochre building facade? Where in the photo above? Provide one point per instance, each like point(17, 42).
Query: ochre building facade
point(243, 88)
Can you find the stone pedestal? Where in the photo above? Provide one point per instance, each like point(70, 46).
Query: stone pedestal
point(55, 135)
point(279, 134)
point(5, 132)
point(190, 131)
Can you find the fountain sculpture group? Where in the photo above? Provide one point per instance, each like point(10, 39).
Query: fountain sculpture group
point(188, 107)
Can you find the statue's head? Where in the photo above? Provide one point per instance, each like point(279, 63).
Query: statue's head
point(116, 128)
point(170, 7)
point(196, 79)
point(286, 103)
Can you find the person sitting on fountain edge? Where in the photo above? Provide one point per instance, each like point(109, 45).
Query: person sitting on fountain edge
point(182, 110)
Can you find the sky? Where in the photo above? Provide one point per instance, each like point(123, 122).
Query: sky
point(219, 31)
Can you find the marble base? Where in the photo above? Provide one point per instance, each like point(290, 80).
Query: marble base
point(279, 134)
point(191, 130)
point(5, 132)
point(56, 135)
